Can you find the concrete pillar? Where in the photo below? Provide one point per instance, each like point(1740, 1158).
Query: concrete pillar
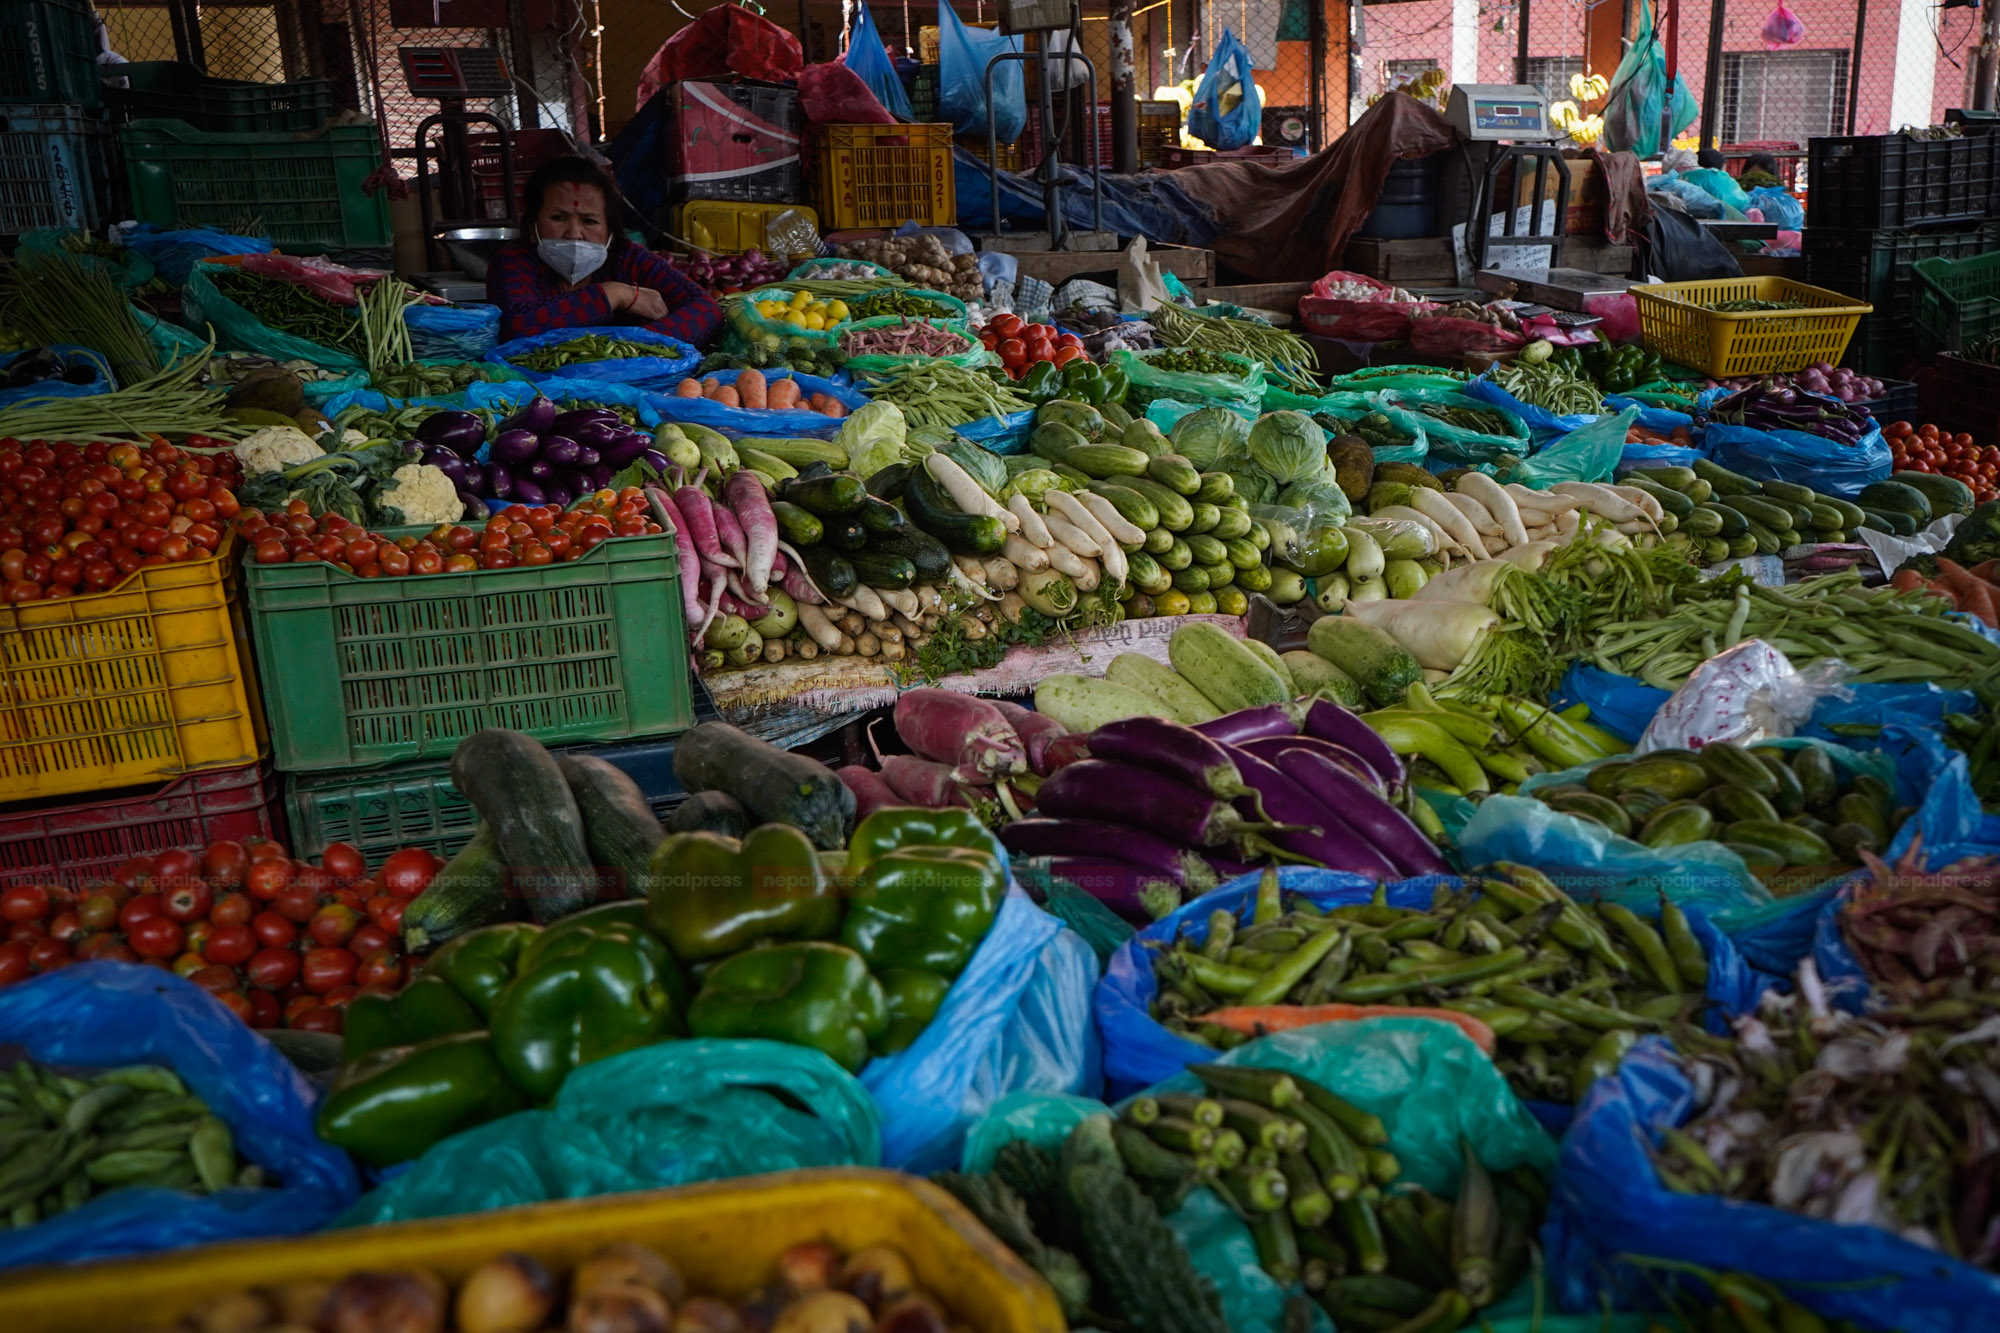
point(1916, 66)
point(1465, 41)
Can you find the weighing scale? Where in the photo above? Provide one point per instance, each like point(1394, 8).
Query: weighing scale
point(452, 75)
point(1513, 119)
point(1042, 17)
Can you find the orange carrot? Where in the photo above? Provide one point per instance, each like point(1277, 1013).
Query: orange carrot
point(727, 396)
point(1257, 1021)
point(688, 388)
point(1977, 600)
point(782, 394)
point(750, 388)
point(1986, 569)
point(1907, 580)
point(1939, 588)
point(834, 407)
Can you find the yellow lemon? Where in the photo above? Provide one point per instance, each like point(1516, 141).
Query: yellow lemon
point(836, 311)
point(814, 321)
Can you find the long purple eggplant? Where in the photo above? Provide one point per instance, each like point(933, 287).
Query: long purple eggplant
point(1268, 749)
point(1248, 724)
point(1318, 835)
point(1122, 888)
point(1089, 839)
point(1388, 829)
point(1330, 722)
point(1120, 793)
point(1168, 747)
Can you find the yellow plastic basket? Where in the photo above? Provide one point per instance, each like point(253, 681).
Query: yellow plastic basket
point(724, 1237)
point(1676, 320)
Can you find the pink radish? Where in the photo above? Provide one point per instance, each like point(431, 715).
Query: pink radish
point(699, 511)
point(871, 793)
point(1038, 731)
point(921, 782)
point(729, 532)
point(736, 606)
point(960, 729)
point(760, 528)
point(670, 516)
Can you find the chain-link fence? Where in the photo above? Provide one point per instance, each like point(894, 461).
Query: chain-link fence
point(263, 43)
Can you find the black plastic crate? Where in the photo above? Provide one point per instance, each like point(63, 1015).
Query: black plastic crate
point(1894, 180)
point(169, 90)
point(55, 169)
point(1882, 347)
point(1898, 402)
point(922, 87)
point(1877, 265)
point(48, 52)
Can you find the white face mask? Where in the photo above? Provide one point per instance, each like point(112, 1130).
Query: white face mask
point(575, 260)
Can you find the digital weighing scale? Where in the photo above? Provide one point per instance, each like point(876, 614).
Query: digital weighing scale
point(453, 75)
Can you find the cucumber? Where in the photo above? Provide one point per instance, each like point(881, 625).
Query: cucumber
point(883, 569)
point(1082, 418)
point(1216, 487)
point(618, 824)
point(774, 785)
point(1680, 506)
point(799, 527)
point(1220, 574)
point(1175, 473)
point(1383, 668)
point(777, 469)
point(1759, 510)
point(1191, 580)
point(1158, 542)
point(1114, 416)
point(1054, 439)
point(1714, 550)
point(1742, 546)
point(1146, 574)
point(1733, 522)
point(1206, 517)
point(517, 788)
point(925, 552)
point(1723, 480)
point(1825, 518)
point(1790, 492)
point(1144, 436)
point(1767, 541)
point(1177, 556)
point(1242, 552)
point(469, 892)
point(799, 452)
point(829, 570)
point(710, 812)
point(963, 534)
point(1232, 676)
point(1314, 676)
point(1230, 524)
point(1850, 512)
point(1702, 521)
point(1801, 518)
point(1176, 514)
point(1673, 478)
point(1207, 550)
point(1070, 474)
point(1729, 763)
point(1257, 578)
point(1181, 700)
point(1133, 507)
point(1736, 803)
point(1787, 794)
point(1817, 777)
point(1676, 825)
point(1107, 460)
point(1589, 805)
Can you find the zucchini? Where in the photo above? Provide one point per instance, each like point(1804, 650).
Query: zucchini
point(829, 570)
point(889, 482)
point(1176, 514)
point(1182, 701)
point(517, 788)
point(710, 812)
point(469, 892)
point(829, 497)
point(799, 527)
point(1084, 703)
point(883, 569)
point(618, 823)
point(1133, 507)
point(846, 535)
point(1231, 675)
point(924, 552)
point(774, 785)
point(882, 518)
point(963, 534)
point(1313, 675)
point(1383, 668)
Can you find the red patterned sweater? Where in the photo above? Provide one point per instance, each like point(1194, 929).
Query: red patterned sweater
point(532, 300)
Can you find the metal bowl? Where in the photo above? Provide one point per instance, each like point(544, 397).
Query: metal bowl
point(472, 248)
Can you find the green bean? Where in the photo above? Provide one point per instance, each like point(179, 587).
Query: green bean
point(585, 347)
point(939, 393)
point(1288, 356)
point(290, 308)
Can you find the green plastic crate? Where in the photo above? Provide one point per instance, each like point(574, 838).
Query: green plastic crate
point(169, 90)
point(302, 190)
point(1958, 301)
point(363, 672)
point(49, 53)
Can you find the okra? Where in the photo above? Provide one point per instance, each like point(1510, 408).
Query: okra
point(1364, 1234)
point(1309, 1202)
point(1277, 1245)
point(1382, 1290)
point(1255, 1191)
point(1149, 1160)
point(1338, 1158)
point(1228, 1149)
point(1325, 1247)
point(1417, 1256)
point(1474, 1228)
point(1181, 1135)
point(1261, 1125)
point(1142, 1110)
point(1273, 1088)
point(1201, 1110)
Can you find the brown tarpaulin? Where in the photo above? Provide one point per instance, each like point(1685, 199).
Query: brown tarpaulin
point(1291, 223)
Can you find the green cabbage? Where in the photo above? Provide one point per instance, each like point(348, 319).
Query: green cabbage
point(1034, 482)
point(873, 437)
point(1320, 494)
point(1288, 445)
point(1207, 434)
point(1251, 481)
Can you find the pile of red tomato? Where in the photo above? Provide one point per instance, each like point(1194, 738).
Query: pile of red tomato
point(1022, 345)
point(282, 943)
point(517, 535)
point(1926, 448)
point(80, 518)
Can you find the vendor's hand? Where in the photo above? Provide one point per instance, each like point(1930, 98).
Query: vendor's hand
point(643, 302)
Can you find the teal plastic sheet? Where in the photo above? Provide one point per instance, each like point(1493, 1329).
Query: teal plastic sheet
point(1453, 446)
point(1589, 453)
point(676, 1113)
point(237, 330)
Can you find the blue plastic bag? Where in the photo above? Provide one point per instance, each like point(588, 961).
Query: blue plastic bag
point(1212, 117)
point(743, 421)
point(869, 59)
point(175, 253)
point(1609, 1203)
point(1790, 455)
point(675, 1113)
point(102, 380)
point(664, 371)
point(1720, 184)
point(1664, 421)
point(1543, 425)
point(1779, 206)
point(508, 396)
point(453, 332)
point(963, 54)
point(1003, 435)
point(1016, 1020)
point(102, 1015)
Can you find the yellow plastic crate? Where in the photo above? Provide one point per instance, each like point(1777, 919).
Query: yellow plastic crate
point(886, 175)
point(1676, 321)
point(724, 1237)
point(730, 228)
point(134, 685)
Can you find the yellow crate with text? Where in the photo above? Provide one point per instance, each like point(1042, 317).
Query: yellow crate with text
point(886, 175)
point(724, 1237)
point(1678, 320)
point(727, 227)
point(1011, 155)
point(140, 683)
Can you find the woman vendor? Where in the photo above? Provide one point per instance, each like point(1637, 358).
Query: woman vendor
point(572, 269)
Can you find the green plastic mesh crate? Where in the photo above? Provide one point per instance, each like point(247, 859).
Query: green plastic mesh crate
point(302, 190)
point(1958, 301)
point(361, 672)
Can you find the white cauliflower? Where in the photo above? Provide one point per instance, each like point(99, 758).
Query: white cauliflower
point(417, 494)
point(275, 448)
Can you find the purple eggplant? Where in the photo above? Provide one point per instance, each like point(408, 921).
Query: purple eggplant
point(540, 469)
point(1268, 749)
point(537, 418)
point(1316, 833)
point(600, 476)
point(475, 508)
point(513, 447)
point(1120, 887)
point(597, 433)
point(1175, 750)
point(1092, 838)
point(447, 462)
point(1386, 828)
point(1330, 722)
point(573, 422)
point(587, 456)
point(499, 482)
point(1127, 794)
point(1250, 723)
point(460, 432)
point(653, 459)
point(528, 492)
point(559, 450)
point(624, 448)
point(575, 480)
point(559, 495)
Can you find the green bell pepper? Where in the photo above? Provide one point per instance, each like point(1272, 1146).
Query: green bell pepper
point(584, 993)
point(1040, 383)
point(713, 895)
point(480, 964)
point(631, 914)
point(914, 998)
point(1083, 380)
point(895, 827)
point(924, 907)
point(811, 994)
point(428, 1007)
point(396, 1103)
point(1116, 383)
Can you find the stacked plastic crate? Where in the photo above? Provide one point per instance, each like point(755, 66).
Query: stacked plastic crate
point(55, 144)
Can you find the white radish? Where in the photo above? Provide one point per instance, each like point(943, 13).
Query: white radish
point(1062, 502)
point(1544, 502)
point(822, 630)
point(1115, 566)
point(1026, 556)
point(1122, 530)
point(1498, 503)
point(1032, 526)
point(865, 600)
point(1446, 515)
point(899, 599)
point(1567, 524)
point(1531, 556)
point(967, 494)
point(1065, 561)
point(1602, 501)
point(1440, 635)
point(1070, 535)
point(1650, 503)
point(1088, 580)
point(1442, 541)
point(1482, 520)
point(1001, 575)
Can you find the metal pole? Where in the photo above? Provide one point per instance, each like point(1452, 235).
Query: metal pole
point(1521, 41)
point(521, 37)
point(1051, 150)
point(1124, 90)
point(805, 34)
point(1854, 69)
point(1711, 79)
point(1988, 64)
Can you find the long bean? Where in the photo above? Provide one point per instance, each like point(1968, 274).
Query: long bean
point(57, 296)
point(384, 331)
point(169, 403)
point(939, 393)
point(1289, 356)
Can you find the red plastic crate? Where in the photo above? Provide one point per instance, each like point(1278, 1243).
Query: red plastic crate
point(531, 148)
point(82, 842)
